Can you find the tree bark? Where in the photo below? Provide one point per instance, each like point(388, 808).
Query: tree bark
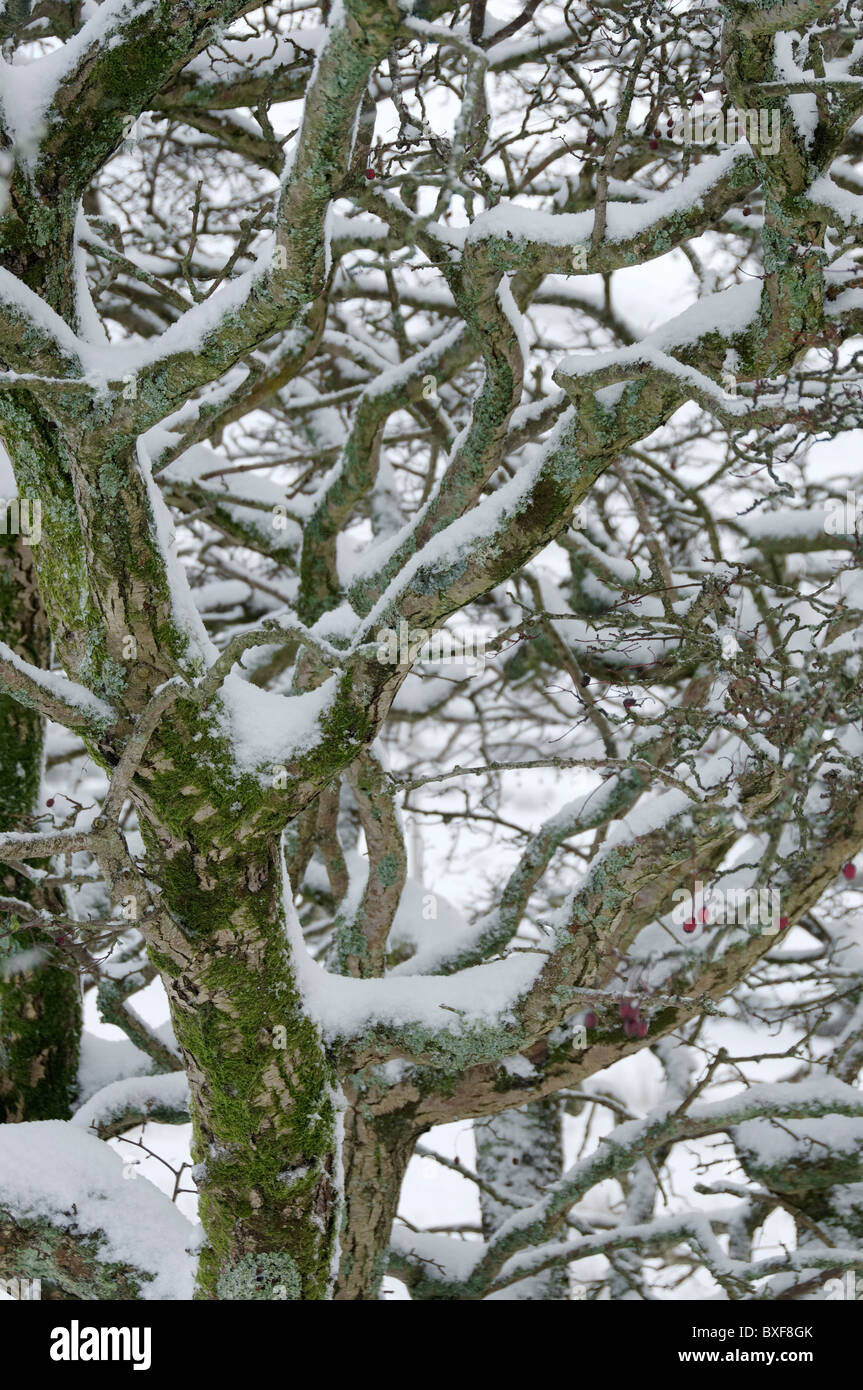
point(377, 1150)
point(518, 1154)
point(40, 997)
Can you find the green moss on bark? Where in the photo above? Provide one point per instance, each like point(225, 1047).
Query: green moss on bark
point(40, 1006)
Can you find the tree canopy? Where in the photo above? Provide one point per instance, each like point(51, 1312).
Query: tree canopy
point(431, 620)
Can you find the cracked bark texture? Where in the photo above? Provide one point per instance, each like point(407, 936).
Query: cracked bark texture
point(40, 997)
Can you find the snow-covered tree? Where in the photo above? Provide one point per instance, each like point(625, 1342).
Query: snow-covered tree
point(431, 624)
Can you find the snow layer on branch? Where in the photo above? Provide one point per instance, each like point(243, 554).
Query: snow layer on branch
point(624, 220)
point(649, 815)
point(361, 228)
point(59, 687)
point(187, 334)
point(169, 1090)
point(47, 1167)
point(104, 1060)
point(344, 1007)
point(848, 205)
point(785, 522)
point(727, 313)
point(456, 539)
point(19, 296)
point(185, 613)
point(266, 728)
point(431, 940)
point(818, 1095)
point(476, 997)
point(28, 89)
point(518, 48)
point(776, 1144)
point(803, 105)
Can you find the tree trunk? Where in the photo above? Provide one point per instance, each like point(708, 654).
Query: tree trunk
point(518, 1154)
point(40, 998)
point(377, 1150)
point(264, 1098)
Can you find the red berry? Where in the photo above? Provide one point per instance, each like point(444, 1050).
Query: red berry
point(50, 801)
point(783, 923)
point(370, 173)
point(689, 925)
point(628, 702)
point(654, 144)
point(746, 211)
point(590, 1020)
point(698, 97)
point(849, 870)
point(657, 133)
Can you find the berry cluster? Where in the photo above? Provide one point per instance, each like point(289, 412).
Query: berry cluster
point(703, 916)
point(634, 1026)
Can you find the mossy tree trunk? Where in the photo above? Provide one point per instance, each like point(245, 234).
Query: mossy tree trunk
point(40, 995)
point(265, 1101)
